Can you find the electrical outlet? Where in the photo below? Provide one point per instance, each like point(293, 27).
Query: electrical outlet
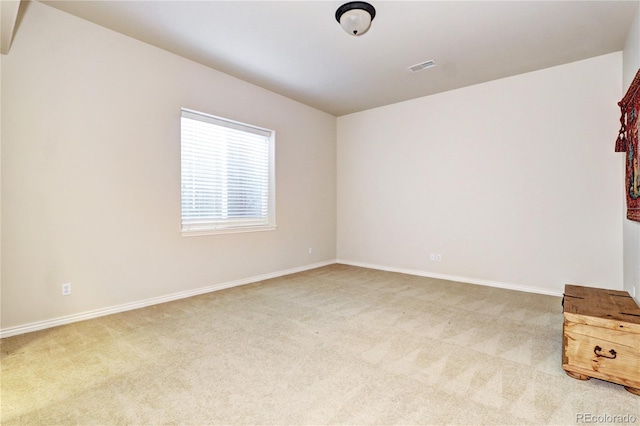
point(310, 250)
point(66, 289)
point(438, 257)
point(432, 257)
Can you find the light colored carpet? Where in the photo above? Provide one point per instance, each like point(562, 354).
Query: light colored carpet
point(334, 345)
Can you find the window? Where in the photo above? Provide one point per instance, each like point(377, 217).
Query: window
point(227, 175)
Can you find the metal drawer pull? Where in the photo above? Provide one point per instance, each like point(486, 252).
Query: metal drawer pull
point(612, 352)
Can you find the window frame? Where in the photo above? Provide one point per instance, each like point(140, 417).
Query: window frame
point(234, 224)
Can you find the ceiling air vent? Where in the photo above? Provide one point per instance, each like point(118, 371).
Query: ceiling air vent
point(422, 66)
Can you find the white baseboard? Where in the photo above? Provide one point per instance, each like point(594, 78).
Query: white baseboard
point(42, 325)
point(453, 278)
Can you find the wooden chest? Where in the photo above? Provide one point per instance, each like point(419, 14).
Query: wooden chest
point(601, 336)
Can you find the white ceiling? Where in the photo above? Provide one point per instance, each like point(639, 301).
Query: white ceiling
point(297, 49)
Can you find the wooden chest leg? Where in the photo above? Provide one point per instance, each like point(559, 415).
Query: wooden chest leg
point(579, 376)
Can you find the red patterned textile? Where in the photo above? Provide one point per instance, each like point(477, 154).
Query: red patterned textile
point(628, 142)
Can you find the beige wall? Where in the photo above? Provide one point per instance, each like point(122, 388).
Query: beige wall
point(0, 170)
point(514, 182)
point(631, 230)
point(90, 173)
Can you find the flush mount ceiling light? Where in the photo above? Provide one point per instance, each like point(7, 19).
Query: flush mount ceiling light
point(355, 17)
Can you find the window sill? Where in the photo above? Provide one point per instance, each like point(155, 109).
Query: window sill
point(238, 230)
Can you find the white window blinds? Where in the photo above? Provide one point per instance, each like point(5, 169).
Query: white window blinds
point(227, 175)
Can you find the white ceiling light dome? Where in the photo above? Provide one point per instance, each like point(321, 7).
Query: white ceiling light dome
point(355, 17)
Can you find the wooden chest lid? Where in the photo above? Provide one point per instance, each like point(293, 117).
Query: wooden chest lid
point(612, 305)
